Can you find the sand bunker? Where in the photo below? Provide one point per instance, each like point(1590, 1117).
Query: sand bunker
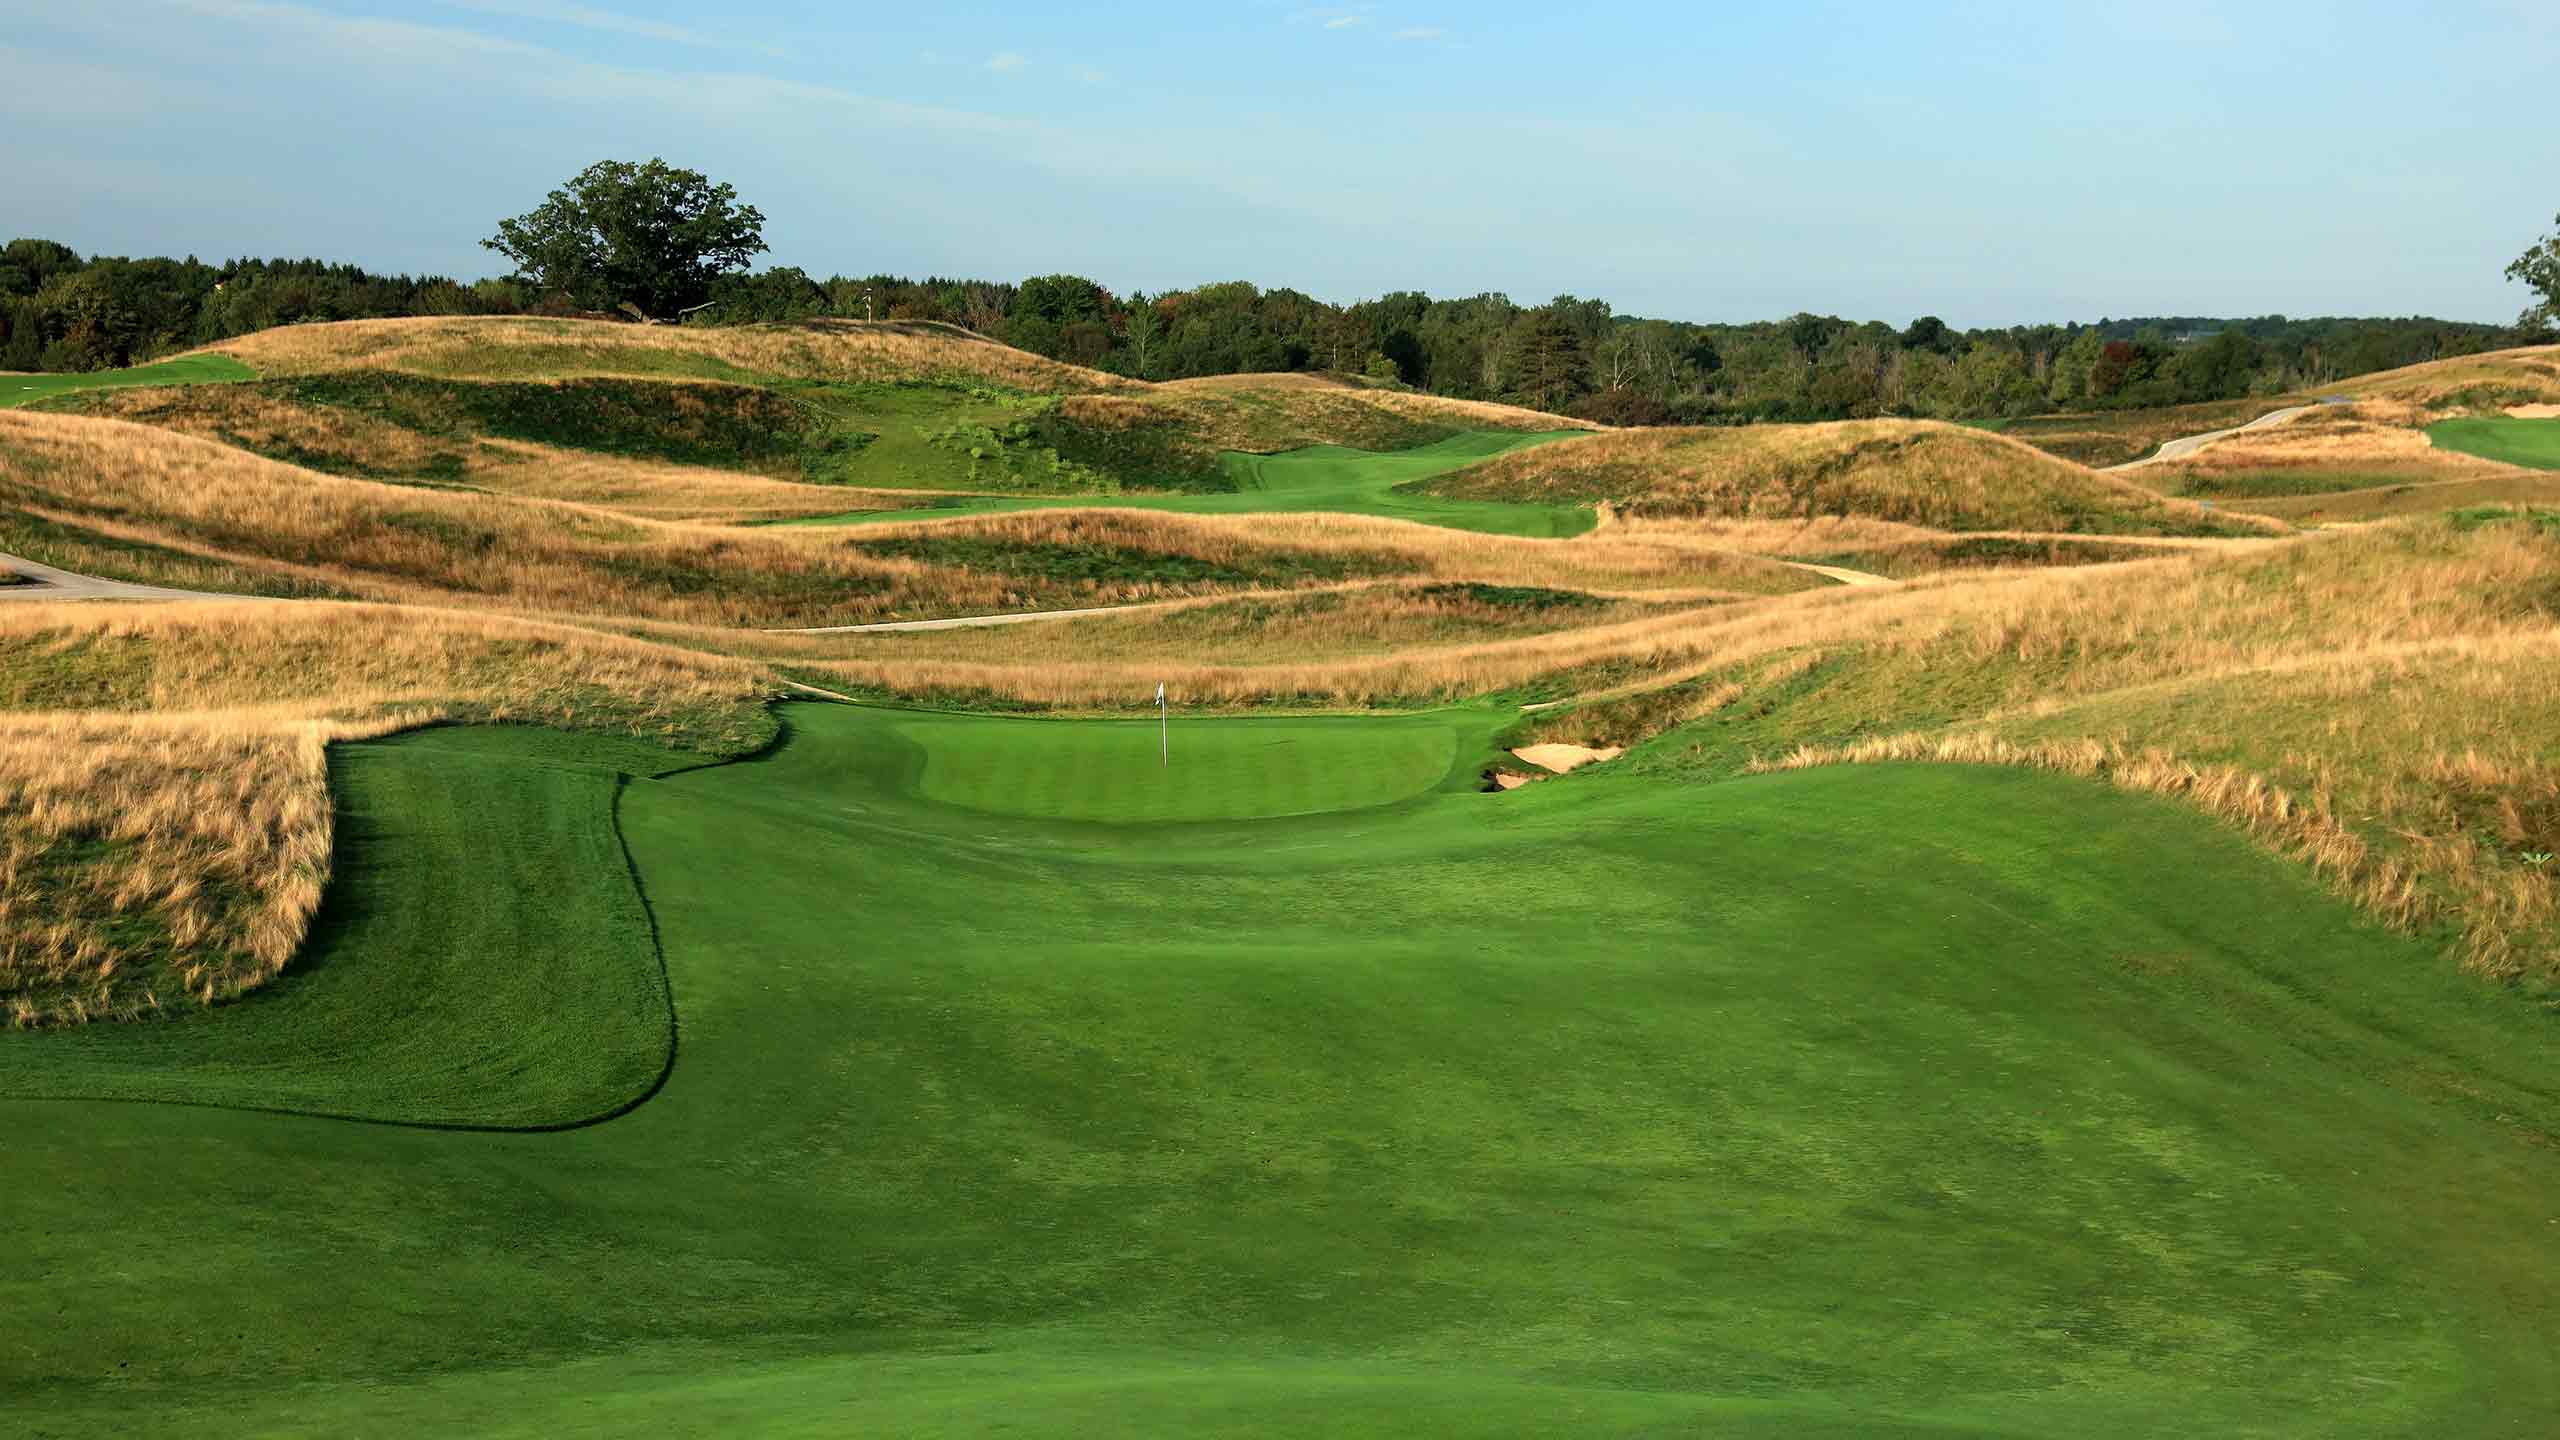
point(1511, 779)
point(1564, 759)
point(2533, 412)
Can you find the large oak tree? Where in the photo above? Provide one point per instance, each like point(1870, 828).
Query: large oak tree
point(2539, 268)
point(651, 236)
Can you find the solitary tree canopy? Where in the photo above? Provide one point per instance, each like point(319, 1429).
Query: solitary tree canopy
point(648, 235)
point(2539, 268)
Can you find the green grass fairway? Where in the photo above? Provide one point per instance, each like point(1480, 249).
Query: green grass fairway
point(193, 370)
point(2531, 443)
point(1322, 478)
point(1898, 1101)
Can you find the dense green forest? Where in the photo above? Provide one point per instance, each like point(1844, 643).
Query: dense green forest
point(61, 312)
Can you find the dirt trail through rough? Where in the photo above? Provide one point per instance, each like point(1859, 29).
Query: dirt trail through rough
point(2185, 446)
point(44, 582)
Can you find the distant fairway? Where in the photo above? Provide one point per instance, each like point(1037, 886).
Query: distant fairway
point(1331, 478)
point(1892, 1101)
point(2531, 443)
point(193, 370)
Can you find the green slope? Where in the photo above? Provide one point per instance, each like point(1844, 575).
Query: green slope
point(2531, 443)
point(1895, 1101)
point(1320, 478)
point(193, 370)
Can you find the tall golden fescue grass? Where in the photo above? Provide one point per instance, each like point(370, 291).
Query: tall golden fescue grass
point(2385, 703)
point(314, 660)
point(2531, 372)
point(1626, 560)
point(1941, 477)
point(399, 543)
point(1471, 414)
point(151, 860)
point(1364, 619)
point(486, 348)
point(165, 837)
point(351, 442)
point(1202, 423)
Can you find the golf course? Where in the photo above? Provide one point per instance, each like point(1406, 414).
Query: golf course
point(926, 1074)
point(1336, 479)
point(1265, 725)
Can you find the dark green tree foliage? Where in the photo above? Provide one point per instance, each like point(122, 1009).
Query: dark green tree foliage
point(1064, 317)
point(1929, 333)
point(649, 235)
point(2538, 269)
point(1548, 361)
point(60, 311)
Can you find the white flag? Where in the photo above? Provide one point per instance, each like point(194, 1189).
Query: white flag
point(1159, 692)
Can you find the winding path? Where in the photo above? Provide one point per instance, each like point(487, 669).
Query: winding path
point(2187, 445)
point(44, 582)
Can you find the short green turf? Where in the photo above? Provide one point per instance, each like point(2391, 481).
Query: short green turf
point(1153, 771)
point(2534, 444)
point(1892, 1101)
point(1322, 478)
point(193, 370)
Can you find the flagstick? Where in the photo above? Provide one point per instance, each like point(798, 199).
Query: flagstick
point(1164, 719)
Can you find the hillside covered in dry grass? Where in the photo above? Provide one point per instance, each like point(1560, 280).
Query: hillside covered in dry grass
point(1904, 472)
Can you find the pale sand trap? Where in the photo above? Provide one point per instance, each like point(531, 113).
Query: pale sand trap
point(1564, 759)
point(1512, 779)
point(2533, 412)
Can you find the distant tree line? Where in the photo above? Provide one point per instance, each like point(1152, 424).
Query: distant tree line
point(59, 311)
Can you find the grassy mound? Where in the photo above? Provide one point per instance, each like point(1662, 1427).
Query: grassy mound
point(1322, 479)
point(2487, 382)
point(1932, 475)
point(481, 348)
point(1574, 1111)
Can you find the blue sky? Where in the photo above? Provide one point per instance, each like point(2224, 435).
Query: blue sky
point(1993, 163)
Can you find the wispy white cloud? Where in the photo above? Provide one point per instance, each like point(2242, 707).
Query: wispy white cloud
point(1333, 17)
point(562, 12)
point(1006, 62)
point(1422, 32)
point(1091, 76)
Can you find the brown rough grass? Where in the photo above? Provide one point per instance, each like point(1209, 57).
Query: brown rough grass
point(2530, 374)
point(404, 544)
point(1907, 472)
point(164, 824)
point(484, 348)
point(261, 421)
point(2397, 688)
point(1615, 561)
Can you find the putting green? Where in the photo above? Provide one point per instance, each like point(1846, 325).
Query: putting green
point(1885, 1101)
point(1333, 479)
point(1127, 771)
point(193, 370)
point(2531, 443)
